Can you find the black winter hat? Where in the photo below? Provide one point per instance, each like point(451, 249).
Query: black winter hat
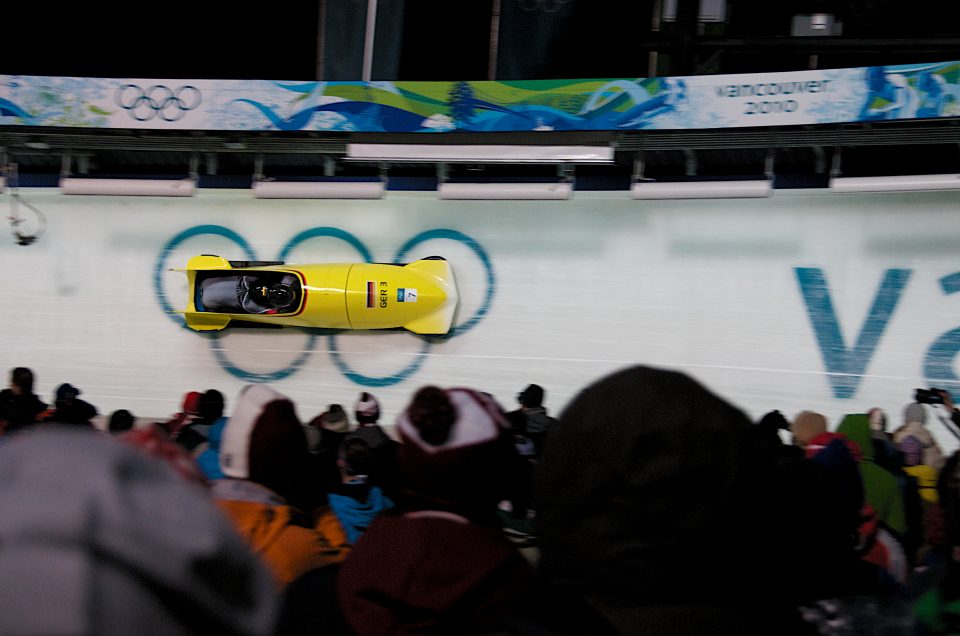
point(532, 396)
point(641, 484)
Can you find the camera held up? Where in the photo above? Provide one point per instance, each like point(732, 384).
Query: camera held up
point(929, 396)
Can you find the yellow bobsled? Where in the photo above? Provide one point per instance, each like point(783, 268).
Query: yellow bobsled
point(420, 296)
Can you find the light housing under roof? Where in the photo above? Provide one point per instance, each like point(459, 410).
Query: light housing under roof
point(516, 191)
point(450, 153)
point(701, 189)
point(318, 189)
point(904, 183)
point(129, 187)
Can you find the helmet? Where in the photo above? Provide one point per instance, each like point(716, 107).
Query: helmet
point(280, 296)
point(260, 293)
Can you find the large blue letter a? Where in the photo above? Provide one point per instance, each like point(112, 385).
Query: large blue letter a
point(845, 367)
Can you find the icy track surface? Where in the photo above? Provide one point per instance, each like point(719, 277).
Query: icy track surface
point(806, 300)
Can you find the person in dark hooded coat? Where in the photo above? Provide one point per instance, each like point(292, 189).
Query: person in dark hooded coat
point(70, 409)
point(19, 406)
point(660, 512)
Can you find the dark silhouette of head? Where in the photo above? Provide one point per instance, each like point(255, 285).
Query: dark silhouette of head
point(356, 456)
point(210, 405)
point(21, 380)
point(432, 413)
point(531, 397)
point(120, 421)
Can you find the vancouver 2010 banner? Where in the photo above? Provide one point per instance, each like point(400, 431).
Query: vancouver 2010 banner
point(917, 91)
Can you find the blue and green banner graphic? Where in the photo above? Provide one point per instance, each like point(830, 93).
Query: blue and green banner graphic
point(917, 91)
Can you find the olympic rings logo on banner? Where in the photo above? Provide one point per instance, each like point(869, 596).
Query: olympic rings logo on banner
point(314, 334)
point(158, 100)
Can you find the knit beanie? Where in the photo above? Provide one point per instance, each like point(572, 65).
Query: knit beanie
point(646, 473)
point(367, 409)
point(99, 538)
point(807, 425)
point(914, 413)
point(120, 421)
point(191, 403)
point(532, 396)
point(210, 405)
point(335, 419)
point(263, 440)
point(67, 392)
point(455, 452)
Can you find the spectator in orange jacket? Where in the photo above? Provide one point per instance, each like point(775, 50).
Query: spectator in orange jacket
point(264, 457)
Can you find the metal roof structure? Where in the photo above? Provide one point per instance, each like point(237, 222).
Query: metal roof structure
point(747, 36)
point(877, 148)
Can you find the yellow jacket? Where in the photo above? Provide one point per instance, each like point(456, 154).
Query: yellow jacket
point(926, 477)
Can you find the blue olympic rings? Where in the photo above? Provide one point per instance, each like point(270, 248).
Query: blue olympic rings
point(158, 100)
point(477, 249)
point(215, 336)
point(313, 334)
point(197, 230)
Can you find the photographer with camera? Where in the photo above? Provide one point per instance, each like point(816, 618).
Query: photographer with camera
point(947, 402)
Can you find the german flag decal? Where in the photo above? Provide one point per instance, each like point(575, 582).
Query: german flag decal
point(371, 294)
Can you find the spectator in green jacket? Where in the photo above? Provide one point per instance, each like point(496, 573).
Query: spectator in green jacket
point(880, 485)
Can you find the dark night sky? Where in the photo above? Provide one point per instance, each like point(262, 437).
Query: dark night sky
point(206, 40)
point(197, 43)
point(209, 43)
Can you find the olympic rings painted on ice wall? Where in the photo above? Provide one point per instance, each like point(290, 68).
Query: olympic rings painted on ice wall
point(314, 334)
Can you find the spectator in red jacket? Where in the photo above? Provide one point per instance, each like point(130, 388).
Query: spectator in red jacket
point(439, 563)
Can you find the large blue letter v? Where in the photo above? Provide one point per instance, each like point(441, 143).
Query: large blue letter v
point(845, 367)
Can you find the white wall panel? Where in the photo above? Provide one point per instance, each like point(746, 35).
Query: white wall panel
point(581, 288)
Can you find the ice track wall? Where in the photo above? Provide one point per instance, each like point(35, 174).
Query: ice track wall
point(806, 300)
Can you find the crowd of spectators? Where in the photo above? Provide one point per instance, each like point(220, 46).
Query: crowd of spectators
point(651, 505)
